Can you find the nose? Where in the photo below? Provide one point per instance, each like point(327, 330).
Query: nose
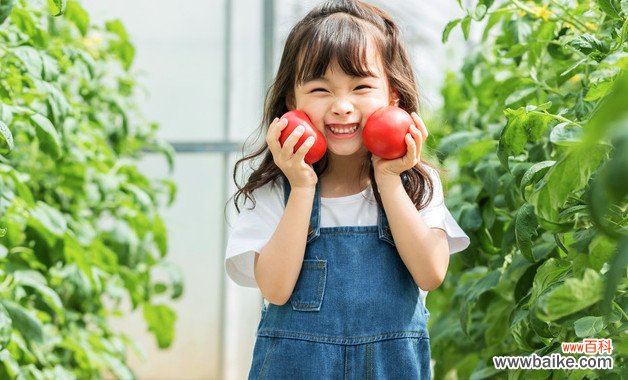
point(342, 107)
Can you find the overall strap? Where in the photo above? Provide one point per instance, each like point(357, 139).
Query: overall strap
point(382, 221)
point(315, 218)
point(383, 226)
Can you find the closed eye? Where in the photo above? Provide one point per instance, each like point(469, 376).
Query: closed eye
point(362, 87)
point(318, 89)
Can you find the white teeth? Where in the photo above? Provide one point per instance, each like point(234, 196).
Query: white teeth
point(344, 130)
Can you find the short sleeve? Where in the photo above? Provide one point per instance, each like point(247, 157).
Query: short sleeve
point(250, 232)
point(436, 215)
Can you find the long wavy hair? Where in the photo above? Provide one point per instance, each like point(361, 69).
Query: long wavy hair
point(335, 31)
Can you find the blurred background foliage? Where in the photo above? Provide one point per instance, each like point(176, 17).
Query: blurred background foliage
point(535, 146)
point(81, 236)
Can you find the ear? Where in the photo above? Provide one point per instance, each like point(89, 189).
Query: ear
point(394, 98)
point(290, 102)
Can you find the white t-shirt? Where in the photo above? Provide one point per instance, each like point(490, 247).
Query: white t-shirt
point(254, 227)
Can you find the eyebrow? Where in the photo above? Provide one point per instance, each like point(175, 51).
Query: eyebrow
point(324, 79)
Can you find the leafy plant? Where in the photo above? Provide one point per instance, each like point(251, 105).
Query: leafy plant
point(535, 142)
point(80, 230)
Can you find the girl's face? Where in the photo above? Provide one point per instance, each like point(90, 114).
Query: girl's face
point(339, 104)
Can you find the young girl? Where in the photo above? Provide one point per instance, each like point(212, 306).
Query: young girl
point(343, 250)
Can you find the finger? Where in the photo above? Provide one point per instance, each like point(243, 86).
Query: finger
point(299, 155)
point(272, 140)
point(420, 125)
point(412, 148)
point(288, 146)
point(418, 138)
point(274, 131)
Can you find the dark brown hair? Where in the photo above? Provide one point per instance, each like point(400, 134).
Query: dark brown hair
point(336, 31)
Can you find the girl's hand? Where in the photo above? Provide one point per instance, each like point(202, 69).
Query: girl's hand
point(391, 169)
point(299, 174)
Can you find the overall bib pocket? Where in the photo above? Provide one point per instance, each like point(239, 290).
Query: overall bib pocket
point(310, 287)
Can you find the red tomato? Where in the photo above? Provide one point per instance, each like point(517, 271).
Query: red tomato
point(385, 131)
point(296, 118)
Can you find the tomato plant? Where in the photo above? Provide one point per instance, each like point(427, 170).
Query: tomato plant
point(296, 118)
point(80, 229)
point(534, 142)
point(385, 131)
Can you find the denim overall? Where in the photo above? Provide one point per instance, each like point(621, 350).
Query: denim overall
point(355, 311)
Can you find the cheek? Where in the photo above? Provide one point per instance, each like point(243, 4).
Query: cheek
point(314, 109)
point(373, 105)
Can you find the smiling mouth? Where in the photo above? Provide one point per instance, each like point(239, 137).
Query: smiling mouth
point(344, 129)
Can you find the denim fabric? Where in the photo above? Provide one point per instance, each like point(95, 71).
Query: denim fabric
point(355, 311)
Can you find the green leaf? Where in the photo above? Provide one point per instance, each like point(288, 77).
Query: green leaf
point(470, 217)
point(48, 136)
point(6, 326)
point(75, 254)
point(548, 274)
point(587, 44)
point(48, 221)
point(24, 321)
point(525, 229)
point(598, 90)
point(160, 320)
point(58, 105)
point(118, 367)
point(535, 173)
point(37, 281)
point(57, 7)
point(448, 28)
point(476, 151)
point(31, 59)
point(573, 295)
point(161, 235)
point(466, 24)
point(75, 13)
point(117, 27)
point(611, 114)
point(176, 278)
point(570, 174)
point(574, 66)
point(493, 19)
point(5, 9)
point(516, 50)
point(589, 327)
point(10, 364)
point(519, 95)
point(519, 31)
point(123, 48)
point(601, 250)
point(616, 272)
point(6, 139)
point(524, 125)
point(26, 22)
point(473, 292)
point(479, 12)
point(566, 134)
point(487, 172)
point(126, 52)
point(50, 68)
point(608, 7)
point(452, 143)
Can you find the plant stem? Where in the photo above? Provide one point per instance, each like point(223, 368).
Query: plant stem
point(577, 24)
point(560, 244)
point(620, 309)
point(557, 117)
point(571, 20)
